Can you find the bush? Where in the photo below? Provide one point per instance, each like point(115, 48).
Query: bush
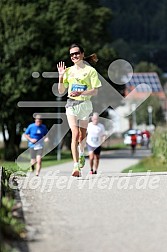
point(12, 227)
point(159, 144)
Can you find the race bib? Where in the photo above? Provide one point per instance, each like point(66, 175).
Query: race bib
point(78, 87)
point(94, 140)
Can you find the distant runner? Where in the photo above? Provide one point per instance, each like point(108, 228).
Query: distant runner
point(133, 143)
point(34, 133)
point(95, 137)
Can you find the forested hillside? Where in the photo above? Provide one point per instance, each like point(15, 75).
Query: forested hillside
point(139, 30)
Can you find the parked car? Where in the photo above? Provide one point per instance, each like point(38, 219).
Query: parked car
point(129, 133)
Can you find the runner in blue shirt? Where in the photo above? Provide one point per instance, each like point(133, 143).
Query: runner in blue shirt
point(34, 134)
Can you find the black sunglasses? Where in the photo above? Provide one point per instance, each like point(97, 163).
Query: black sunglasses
point(75, 53)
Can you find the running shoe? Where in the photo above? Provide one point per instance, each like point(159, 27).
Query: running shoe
point(81, 161)
point(91, 172)
point(76, 171)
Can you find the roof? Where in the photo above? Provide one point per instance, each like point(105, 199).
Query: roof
point(150, 79)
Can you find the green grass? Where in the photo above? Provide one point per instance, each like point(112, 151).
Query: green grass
point(119, 146)
point(48, 160)
point(12, 227)
point(148, 164)
point(51, 159)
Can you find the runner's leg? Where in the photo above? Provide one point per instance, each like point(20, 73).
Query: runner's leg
point(91, 159)
point(96, 162)
point(83, 124)
point(72, 121)
point(38, 165)
point(33, 159)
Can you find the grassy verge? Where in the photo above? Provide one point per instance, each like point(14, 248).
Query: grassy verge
point(152, 164)
point(48, 160)
point(51, 159)
point(120, 146)
point(12, 227)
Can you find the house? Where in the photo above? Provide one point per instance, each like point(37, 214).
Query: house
point(150, 82)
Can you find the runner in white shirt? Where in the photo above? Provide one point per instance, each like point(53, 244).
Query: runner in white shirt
point(95, 137)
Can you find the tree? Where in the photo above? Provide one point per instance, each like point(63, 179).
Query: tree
point(144, 66)
point(142, 25)
point(35, 35)
point(157, 113)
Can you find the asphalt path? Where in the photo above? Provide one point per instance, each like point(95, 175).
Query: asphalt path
point(111, 211)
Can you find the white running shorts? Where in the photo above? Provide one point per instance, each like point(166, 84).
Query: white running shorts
point(81, 111)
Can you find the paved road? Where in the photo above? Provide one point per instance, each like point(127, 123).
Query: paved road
point(106, 212)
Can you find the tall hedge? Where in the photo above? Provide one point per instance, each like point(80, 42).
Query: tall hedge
point(159, 144)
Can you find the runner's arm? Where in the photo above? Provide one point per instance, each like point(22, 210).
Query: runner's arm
point(61, 87)
point(61, 69)
point(32, 140)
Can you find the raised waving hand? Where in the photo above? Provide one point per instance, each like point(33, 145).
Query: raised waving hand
point(61, 68)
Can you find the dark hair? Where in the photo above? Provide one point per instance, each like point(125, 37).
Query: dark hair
point(76, 45)
point(90, 59)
